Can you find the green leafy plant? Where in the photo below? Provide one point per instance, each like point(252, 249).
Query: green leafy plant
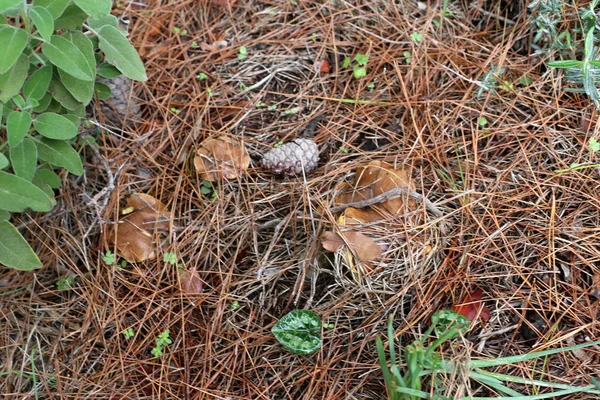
point(593, 145)
point(162, 341)
point(299, 331)
point(243, 53)
point(51, 54)
point(128, 333)
point(359, 65)
point(416, 37)
point(65, 283)
point(209, 190)
point(109, 258)
point(421, 378)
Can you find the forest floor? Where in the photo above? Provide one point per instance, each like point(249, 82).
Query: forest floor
point(455, 100)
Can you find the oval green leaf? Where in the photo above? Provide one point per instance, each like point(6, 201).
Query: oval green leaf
point(23, 159)
point(60, 154)
point(4, 215)
point(13, 42)
point(43, 103)
point(43, 21)
point(15, 252)
point(37, 84)
point(102, 91)
point(97, 7)
point(17, 126)
point(445, 320)
point(3, 161)
point(99, 21)
point(48, 177)
point(62, 95)
point(54, 7)
point(108, 71)
point(68, 57)
point(299, 331)
point(12, 81)
point(120, 53)
point(71, 19)
point(17, 194)
point(6, 4)
point(55, 126)
point(81, 90)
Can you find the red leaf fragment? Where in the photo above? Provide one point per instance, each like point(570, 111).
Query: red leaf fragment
point(472, 306)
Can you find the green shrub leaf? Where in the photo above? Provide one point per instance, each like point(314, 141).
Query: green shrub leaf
point(3, 161)
point(39, 182)
point(54, 7)
point(43, 21)
point(71, 19)
point(49, 177)
point(15, 252)
point(60, 154)
point(43, 103)
point(23, 159)
point(17, 194)
point(81, 90)
point(102, 91)
point(97, 7)
point(12, 81)
point(4, 215)
point(108, 71)
point(6, 4)
point(68, 57)
point(17, 126)
point(55, 126)
point(13, 42)
point(299, 331)
point(37, 84)
point(99, 21)
point(62, 95)
point(120, 53)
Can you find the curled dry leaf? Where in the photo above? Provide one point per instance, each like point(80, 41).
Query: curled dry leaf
point(135, 236)
point(472, 307)
point(364, 247)
point(220, 158)
point(376, 178)
point(191, 282)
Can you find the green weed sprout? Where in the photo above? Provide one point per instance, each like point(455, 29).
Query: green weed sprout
point(422, 362)
point(161, 341)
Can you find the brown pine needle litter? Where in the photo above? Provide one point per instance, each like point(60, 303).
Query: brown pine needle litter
point(524, 234)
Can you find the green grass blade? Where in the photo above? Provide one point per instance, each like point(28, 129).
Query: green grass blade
point(524, 357)
point(516, 379)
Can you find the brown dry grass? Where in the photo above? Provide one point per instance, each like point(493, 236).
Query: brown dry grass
point(524, 234)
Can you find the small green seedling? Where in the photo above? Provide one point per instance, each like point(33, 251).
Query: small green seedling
point(299, 331)
point(243, 53)
point(260, 104)
point(179, 31)
point(416, 37)
point(65, 283)
point(201, 76)
point(482, 122)
point(291, 111)
point(170, 258)
point(109, 258)
point(272, 107)
point(344, 149)
point(175, 110)
point(128, 333)
point(359, 65)
point(278, 144)
point(209, 190)
point(407, 57)
point(162, 341)
point(235, 305)
point(593, 145)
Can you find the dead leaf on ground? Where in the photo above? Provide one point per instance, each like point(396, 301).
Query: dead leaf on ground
point(374, 179)
point(364, 247)
point(220, 158)
point(472, 307)
point(191, 282)
point(136, 235)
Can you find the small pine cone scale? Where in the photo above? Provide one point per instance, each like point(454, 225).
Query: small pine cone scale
point(292, 158)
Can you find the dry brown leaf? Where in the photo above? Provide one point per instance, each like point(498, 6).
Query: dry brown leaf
point(376, 178)
point(221, 158)
point(135, 236)
point(191, 282)
point(363, 246)
point(354, 216)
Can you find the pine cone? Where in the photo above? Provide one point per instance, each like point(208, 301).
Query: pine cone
point(292, 157)
point(120, 106)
